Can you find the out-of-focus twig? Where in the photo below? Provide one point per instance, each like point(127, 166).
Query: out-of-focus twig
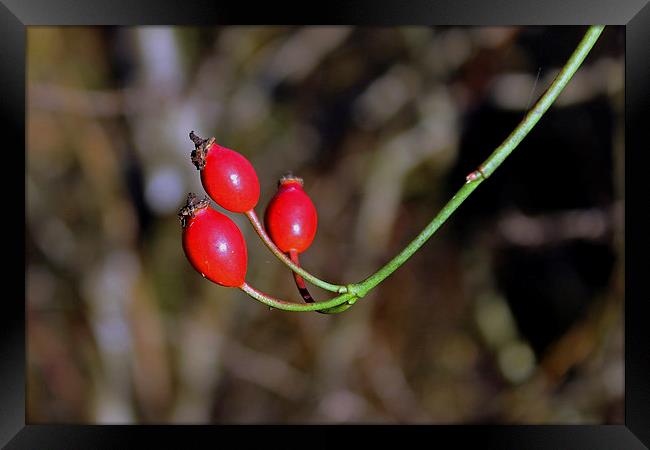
point(87, 103)
point(589, 224)
point(389, 383)
point(264, 370)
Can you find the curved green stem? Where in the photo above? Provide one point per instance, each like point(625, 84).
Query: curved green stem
point(579, 54)
point(304, 292)
point(296, 307)
point(360, 289)
point(259, 229)
point(490, 164)
point(338, 309)
point(473, 180)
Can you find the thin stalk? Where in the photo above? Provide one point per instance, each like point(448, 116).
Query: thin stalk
point(580, 53)
point(360, 289)
point(300, 283)
point(304, 292)
point(475, 178)
point(259, 229)
point(337, 309)
point(296, 307)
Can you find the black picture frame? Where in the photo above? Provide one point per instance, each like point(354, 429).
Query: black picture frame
point(16, 15)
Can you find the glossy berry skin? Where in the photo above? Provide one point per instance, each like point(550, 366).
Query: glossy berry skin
point(290, 218)
point(214, 245)
point(227, 176)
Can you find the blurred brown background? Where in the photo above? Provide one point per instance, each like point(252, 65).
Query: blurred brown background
point(511, 313)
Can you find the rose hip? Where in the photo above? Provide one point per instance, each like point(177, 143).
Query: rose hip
point(213, 243)
point(227, 176)
point(290, 218)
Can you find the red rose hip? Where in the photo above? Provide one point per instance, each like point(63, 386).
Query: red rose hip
point(290, 216)
point(227, 176)
point(213, 243)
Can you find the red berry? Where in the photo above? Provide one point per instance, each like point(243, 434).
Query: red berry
point(213, 243)
point(290, 217)
point(227, 176)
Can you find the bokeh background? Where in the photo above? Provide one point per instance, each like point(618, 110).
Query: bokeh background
point(511, 313)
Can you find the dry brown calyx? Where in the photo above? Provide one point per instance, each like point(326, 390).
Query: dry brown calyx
point(192, 205)
point(200, 151)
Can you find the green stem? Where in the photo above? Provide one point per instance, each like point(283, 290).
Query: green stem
point(473, 180)
point(554, 90)
point(284, 305)
point(360, 289)
point(304, 292)
point(259, 229)
point(490, 164)
point(338, 309)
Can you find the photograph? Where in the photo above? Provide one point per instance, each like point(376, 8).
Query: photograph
point(341, 224)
